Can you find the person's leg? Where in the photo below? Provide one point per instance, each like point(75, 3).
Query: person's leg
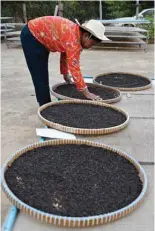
point(36, 56)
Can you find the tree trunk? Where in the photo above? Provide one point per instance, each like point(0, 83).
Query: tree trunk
point(60, 9)
point(24, 13)
point(56, 10)
point(137, 8)
point(100, 9)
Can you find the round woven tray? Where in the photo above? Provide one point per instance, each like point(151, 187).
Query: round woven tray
point(113, 100)
point(82, 131)
point(123, 88)
point(73, 221)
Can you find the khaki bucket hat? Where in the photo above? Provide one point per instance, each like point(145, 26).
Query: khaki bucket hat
point(94, 27)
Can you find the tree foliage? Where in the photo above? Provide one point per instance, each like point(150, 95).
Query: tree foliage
point(34, 9)
point(82, 10)
point(120, 9)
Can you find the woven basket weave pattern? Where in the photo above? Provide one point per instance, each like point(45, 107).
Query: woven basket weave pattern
point(59, 96)
point(73, 221)
point(81, 130)
point(125, 89)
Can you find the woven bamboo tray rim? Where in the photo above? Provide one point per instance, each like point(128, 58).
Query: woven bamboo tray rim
point(123, 88)
point(59, 96)
point(74, 221)
point(83, 131)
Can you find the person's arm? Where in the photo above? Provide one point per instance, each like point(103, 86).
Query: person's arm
point(73, 61)
point(63, 64)
point(64, 68)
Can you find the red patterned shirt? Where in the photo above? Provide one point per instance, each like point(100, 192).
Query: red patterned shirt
point(62, 35)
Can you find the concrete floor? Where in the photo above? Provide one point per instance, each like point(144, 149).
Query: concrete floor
point(19, 118)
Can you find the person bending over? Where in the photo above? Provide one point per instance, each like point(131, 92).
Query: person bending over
point(56, 34)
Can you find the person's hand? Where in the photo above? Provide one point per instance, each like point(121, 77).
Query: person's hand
point(93, 96)
point(67, 78)
point(90, 95)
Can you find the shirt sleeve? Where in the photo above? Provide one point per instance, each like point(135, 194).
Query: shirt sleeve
point(73, 61)
point(63, 64)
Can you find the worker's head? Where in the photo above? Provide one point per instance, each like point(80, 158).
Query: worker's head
point(92, 32)
point(88, 40)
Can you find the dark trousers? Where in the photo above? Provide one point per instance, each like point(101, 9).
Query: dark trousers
point(36, 56)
